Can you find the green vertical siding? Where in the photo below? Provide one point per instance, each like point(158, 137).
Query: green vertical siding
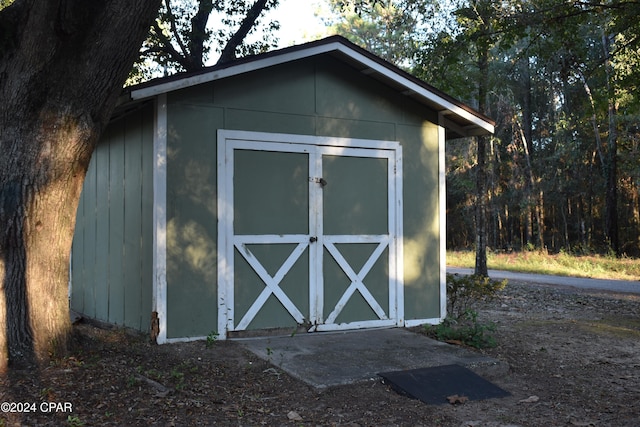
point(191, 218)
point(285, 89)
point(115, 191)
point(146, 205)
point(421, 221)
point(132, 239)
point(318, 96)
point(88, 292)
point(111, 260)
point(112, 254)
point(261, 121)
point(101, 274)
point(80, 263)
point(346, 128)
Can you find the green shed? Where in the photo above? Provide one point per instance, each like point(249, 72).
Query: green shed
point(302, 189)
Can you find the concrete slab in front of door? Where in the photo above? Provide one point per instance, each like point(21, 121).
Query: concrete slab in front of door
point(326, 359)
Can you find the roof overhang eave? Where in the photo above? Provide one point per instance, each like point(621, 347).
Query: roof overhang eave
point(454, 116)
point(464, 128)
point(232, 70)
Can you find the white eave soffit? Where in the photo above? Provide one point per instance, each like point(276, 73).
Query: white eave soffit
point(476, 125)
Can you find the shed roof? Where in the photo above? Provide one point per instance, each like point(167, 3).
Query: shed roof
point(458, 118)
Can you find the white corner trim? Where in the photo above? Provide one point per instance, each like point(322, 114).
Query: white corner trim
point(159, 301)
point(399, 245)
point(442, 214)
point(225, 252)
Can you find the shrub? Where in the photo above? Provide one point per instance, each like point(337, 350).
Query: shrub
point(464, 291)
point(461, 324)
point(465, 330)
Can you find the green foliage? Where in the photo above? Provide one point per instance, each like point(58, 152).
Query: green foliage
point(387, 29)
point(466, 330)
point(74, 421)
point(154, 374)
point(462, 324)
point(5, 3)
point(132, 381)
point(45, 393)
point(178, 376)
point(553, 84)
point(211, 339)
point(464, 291)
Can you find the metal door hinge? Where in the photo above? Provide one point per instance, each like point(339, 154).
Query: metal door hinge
point(320, 181)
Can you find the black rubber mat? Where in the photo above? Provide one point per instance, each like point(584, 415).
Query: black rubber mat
point(434, 385)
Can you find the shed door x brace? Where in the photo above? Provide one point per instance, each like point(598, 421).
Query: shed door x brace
point(309, 232)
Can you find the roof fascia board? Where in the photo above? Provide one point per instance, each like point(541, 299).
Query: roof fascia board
point(233, 70)
point(412, 87)
point(460, 130)
point(371, 67)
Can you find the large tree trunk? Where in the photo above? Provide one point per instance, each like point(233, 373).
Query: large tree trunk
point(611, 195)
point(482, 198)
point(481, 208)
point(62, 67)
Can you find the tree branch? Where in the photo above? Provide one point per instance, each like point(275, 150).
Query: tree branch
point(229, 51)
point(174, 29)
point(199, 32)
point(167, 47)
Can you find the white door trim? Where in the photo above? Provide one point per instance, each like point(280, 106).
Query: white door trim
point(228, 141)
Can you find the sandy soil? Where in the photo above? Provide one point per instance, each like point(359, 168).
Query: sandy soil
point(573, 357)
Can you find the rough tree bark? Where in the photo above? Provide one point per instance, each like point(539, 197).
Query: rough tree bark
point(611, 194)
point(199, 34)
point(481, 208)
point(62, 67)
point(482, 198)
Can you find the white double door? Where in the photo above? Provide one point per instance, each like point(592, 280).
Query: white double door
point(309, 232)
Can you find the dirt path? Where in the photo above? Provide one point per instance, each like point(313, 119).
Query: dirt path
point(574, 360)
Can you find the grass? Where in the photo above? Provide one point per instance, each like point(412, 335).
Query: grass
point(628, 329)
point(562, 264)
